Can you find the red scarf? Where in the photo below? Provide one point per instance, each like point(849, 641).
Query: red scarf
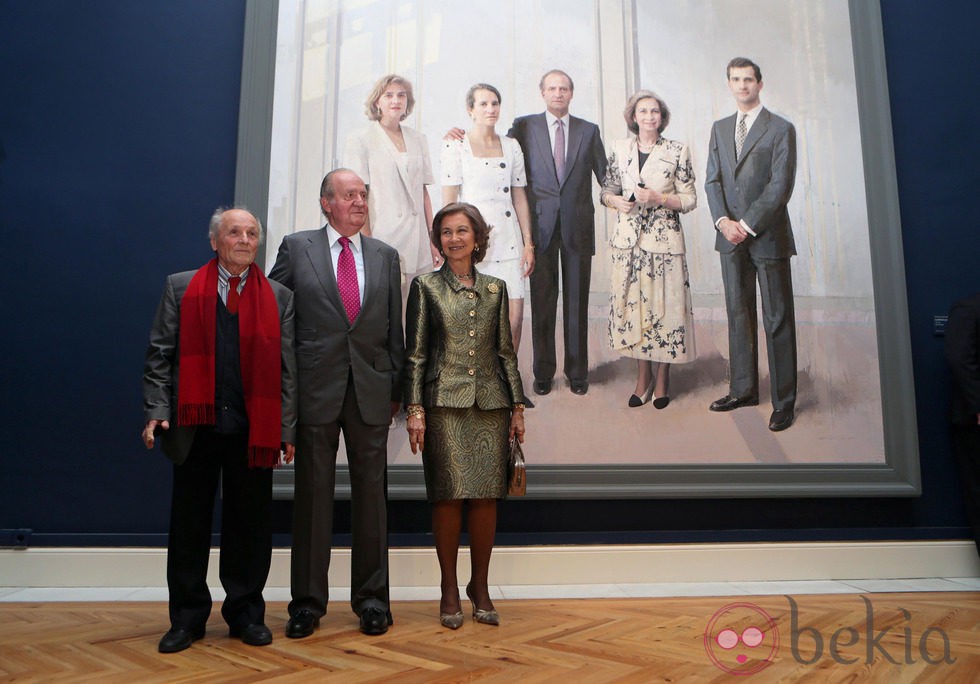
point(261, 362)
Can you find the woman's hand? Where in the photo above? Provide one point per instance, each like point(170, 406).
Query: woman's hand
point(415, 422)
point(517, 425)
point(436, 257)
point(651, 197)
point(619, 203)
point(527, 259)
point(646, 195)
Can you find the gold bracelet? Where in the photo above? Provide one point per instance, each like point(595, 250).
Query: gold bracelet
point(518, 406)
point(416, 410)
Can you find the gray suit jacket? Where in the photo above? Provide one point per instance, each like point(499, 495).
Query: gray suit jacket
point(328, 347)
point(568, 204)
point(758, 187)
point(162, 368)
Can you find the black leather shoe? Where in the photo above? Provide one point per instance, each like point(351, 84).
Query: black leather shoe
point(255, 634)
point(781, 419)
point(542, 386)
point(728, 403)
point(580, 386)
point(179, 638)
point(375, 621)
point(302, 625)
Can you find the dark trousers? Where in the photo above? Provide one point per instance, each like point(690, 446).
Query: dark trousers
point(316, 467)
point(966, 450)
point(576, 275)
point(246, 532)
point(740, 271)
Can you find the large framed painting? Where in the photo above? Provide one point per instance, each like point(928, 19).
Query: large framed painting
point(309, 65)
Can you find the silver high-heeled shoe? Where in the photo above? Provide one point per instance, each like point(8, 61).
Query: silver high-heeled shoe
point(451, 620)
point(486, 617)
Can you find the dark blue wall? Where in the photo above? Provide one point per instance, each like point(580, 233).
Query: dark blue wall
point(118, 124)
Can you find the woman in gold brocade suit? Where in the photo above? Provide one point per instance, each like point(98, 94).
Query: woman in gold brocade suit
point(465, 401)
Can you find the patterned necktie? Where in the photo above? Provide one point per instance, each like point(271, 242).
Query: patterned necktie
point(740, 132)
point(347, 280)
point(232, 303)
point(560, 151)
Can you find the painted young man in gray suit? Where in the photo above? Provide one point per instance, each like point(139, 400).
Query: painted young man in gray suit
point(560, 159)
point(749, 180)
point(350, 364)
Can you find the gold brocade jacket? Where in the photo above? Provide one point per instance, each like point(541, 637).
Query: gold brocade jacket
point(459, 345)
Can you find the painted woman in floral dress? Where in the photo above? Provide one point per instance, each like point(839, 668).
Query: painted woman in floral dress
point(650, 182)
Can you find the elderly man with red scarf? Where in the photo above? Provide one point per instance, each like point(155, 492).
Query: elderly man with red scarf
point(219, 387)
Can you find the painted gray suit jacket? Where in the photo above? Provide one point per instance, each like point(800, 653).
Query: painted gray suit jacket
point(162, 368)
point(570, 203)
point(328, 347)
point(758, 187)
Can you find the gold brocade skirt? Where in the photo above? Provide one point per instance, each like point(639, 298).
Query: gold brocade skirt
point(465, 454)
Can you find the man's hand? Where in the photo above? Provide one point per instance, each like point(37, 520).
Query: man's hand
point(454, 134)
point(288, 452)
point(149, 438)
point(732, 230)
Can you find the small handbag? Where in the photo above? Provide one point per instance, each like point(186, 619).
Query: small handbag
point(516, 472)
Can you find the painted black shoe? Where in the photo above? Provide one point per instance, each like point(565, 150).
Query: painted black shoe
point(729, 403)
point(781, 419)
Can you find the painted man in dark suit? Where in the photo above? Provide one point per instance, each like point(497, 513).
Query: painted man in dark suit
point(350, 363)
point(561, 155)
point(749, 180)
point(219, 386)
point(963, 355)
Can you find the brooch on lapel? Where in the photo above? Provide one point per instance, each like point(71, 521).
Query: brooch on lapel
point(493, 288)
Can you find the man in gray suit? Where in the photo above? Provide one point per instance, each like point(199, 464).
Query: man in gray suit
point(749, 180)
point(561, 154)
point(225, 333)
point(350, 353)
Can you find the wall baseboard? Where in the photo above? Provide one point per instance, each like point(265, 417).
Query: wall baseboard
point(537, 565)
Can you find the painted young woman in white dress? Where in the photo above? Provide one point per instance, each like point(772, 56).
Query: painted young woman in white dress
point(487, 170)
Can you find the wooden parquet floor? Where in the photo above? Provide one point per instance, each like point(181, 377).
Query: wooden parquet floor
point(913, 637)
